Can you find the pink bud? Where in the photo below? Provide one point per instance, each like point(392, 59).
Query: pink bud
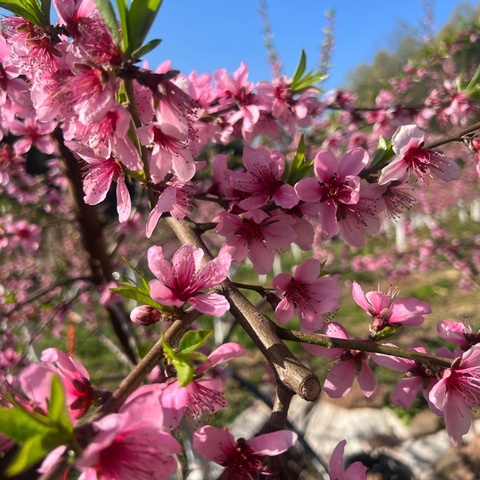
point(145, 315)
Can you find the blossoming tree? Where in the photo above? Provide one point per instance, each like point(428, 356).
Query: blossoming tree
point(103, 124)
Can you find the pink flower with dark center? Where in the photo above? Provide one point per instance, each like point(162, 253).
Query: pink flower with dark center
point(407, 143)
point(237, 91)
point(32, 133)
point(242, 458)
point(129, 449)
point(263, 180)
point(257, 235)
point(356, 220)
point(387, 310)
point(24, 235)
point(351, 364)
point(184, 278)
point(335, 183)
point(457, 392)
point(170, 152)
point(36, 382)
point(89, 91)
point(201, 394)
point(336, 469)
point(306, 294)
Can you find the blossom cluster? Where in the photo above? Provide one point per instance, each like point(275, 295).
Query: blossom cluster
point(73, 92)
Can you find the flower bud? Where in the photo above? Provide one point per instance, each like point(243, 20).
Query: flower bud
point(145, 315)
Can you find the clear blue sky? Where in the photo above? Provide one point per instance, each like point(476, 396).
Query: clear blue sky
point(211, 34)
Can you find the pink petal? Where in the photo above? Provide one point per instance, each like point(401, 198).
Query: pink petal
point(339, 380)
point(409, 311)
point(366, 379)
point(273, 443)
point(214, 443)
point(222, 354)
point(307, 271)
point(359, 296)
point(353, 162)
point(210, 303)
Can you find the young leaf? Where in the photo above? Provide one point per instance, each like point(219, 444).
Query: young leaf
point(141, 16)
point(300, 167)
point(30, 10)
point(301, 67)
point(123, 13)
point(46, 9)
point(148, 47)
point(57, 408)
point(185, 370)
point(141, 296)
point(108, 14)
point(20, 425)
point(31, 452)
point(193, 340)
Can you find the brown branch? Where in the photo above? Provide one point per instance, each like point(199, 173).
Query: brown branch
point(363, 346)
point(288, 369)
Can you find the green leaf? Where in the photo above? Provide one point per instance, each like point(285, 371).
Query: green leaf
point(383, 153)
point(385, 333)
point(140, 19)
point(300, 68)
point(185, 369)
point(142, 297)
point(20, 425)
point(31, 452)
point(300, 166)
point(148, 47)
point(57, 408)
point(193, 340)
point(140, 274)
point(108, 14)
point(46, 9)
point(30, 10)
point(123, 12)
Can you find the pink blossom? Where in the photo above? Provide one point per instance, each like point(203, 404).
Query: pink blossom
point(257, 235)
point(236, 91)
point(336, 469)
point(174, 197)
point(306, 294)
point(201, 394)
point(183, 279)
point(263, 180)
point(170, 152)
point(417, 376)
point(24, 235)
point(457, 391)
point(407, 143)
point(359, 219)
point(387, 310)
point(460, 333)
point(351, 363)
point(241, 458)
point(130, 449)
point(98, 179)
point(335, 183)
point(36, 382)
point(32, 133)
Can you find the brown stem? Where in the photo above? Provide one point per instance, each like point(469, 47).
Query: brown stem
point(288, 369)
point(363, 346)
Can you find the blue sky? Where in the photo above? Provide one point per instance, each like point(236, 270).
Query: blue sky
point(211, 34)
